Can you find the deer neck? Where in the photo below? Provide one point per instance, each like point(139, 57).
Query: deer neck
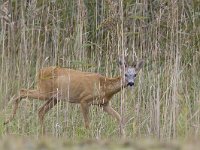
point(113, 85)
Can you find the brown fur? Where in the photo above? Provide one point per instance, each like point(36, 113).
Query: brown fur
point(55, 84)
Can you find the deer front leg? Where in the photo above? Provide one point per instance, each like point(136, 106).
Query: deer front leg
point(85, 111)
point(107, 108)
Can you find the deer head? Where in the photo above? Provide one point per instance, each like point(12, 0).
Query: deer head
point(129, 72)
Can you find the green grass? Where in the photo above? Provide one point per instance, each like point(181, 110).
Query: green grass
point(90, 35)
point(16, 142)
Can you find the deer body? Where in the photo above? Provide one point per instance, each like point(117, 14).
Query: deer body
point(76, 86)
point(55, 84)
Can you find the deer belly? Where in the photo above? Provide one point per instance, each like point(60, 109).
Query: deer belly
point(76, 90)
point(67, 96)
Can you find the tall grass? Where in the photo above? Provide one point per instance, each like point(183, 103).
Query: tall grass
point(89, 35)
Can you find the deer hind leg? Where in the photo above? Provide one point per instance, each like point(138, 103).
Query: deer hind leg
point(85, 111)
point(107, 108)
point(44, 109)
point(23, 94)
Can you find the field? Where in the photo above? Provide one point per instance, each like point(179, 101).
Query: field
point(13, 143)
point(90, 35)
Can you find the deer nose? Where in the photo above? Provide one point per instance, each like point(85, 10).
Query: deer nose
point(130, 83)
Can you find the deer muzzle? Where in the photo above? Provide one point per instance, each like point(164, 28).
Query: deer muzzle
point(130, 84)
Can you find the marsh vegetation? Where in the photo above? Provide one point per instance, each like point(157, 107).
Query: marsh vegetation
point(90, 35)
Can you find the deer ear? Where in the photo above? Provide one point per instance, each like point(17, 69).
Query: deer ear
point(122, 62)
point(139, 65)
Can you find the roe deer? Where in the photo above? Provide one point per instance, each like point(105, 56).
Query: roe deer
point(55, 84)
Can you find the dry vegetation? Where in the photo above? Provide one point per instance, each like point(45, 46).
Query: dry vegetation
point(15, 143)
point(89, 35)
